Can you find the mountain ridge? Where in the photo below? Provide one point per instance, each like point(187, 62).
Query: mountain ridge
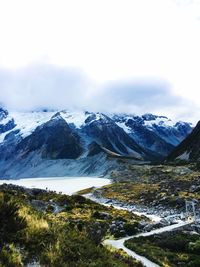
point(79, 139)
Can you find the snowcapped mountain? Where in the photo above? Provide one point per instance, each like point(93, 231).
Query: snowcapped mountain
point(57, 143)
point(156, 133)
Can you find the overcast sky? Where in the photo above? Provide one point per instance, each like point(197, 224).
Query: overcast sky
point(132, 56)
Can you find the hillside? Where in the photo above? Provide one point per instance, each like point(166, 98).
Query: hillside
point(188, 149)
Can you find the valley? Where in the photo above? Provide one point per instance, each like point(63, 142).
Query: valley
point(123, 212)
point(108, 181)
point(99, 133)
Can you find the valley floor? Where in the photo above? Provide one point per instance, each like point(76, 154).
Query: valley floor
point(154, 187)
point(132, 214)
point(157, 191)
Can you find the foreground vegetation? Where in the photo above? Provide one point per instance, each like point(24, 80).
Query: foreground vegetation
point(58, 230)
point(169, 249)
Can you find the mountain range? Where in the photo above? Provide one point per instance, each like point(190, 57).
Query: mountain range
point(58, 143)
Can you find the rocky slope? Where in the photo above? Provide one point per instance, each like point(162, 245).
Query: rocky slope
point(189, 149)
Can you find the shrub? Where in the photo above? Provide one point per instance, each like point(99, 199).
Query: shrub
point(10, 257)
point(10, 222)
point(130, 229)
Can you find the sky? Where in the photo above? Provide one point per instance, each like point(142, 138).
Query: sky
point(133, 56)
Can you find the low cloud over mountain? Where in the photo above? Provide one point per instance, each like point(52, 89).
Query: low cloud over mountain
point(47, 86)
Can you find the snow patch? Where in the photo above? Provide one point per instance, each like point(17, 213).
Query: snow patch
point(5, 120)
point(3, 135)
point(27, 122)
point(161, 121)
point(99, 117)
point(184, 156)
point(77, 118)
point(122, 125)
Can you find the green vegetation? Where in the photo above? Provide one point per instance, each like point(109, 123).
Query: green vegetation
point(169, 249)
point(58, 230)
point(130, 192)
point(153, 185)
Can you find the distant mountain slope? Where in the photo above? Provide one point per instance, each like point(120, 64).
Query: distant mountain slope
point(80, 143)
point(156, 133)
point(189, 149)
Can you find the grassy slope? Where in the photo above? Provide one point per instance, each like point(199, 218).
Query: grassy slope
point(169, 249)
point(71, 237)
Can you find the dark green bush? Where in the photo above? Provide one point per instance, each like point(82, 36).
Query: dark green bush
point(11, 223)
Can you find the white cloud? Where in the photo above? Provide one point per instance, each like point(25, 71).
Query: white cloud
point(109, 40)
point(43, 86)
point(46, 86)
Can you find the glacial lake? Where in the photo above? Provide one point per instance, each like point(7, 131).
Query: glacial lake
point(66, 185)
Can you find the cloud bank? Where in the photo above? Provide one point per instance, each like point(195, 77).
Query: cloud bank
point(47, 86)
point(114, 43)
point(42, 86)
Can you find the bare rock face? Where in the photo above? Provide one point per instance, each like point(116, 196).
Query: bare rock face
point(109, 135)
point(9, 122)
